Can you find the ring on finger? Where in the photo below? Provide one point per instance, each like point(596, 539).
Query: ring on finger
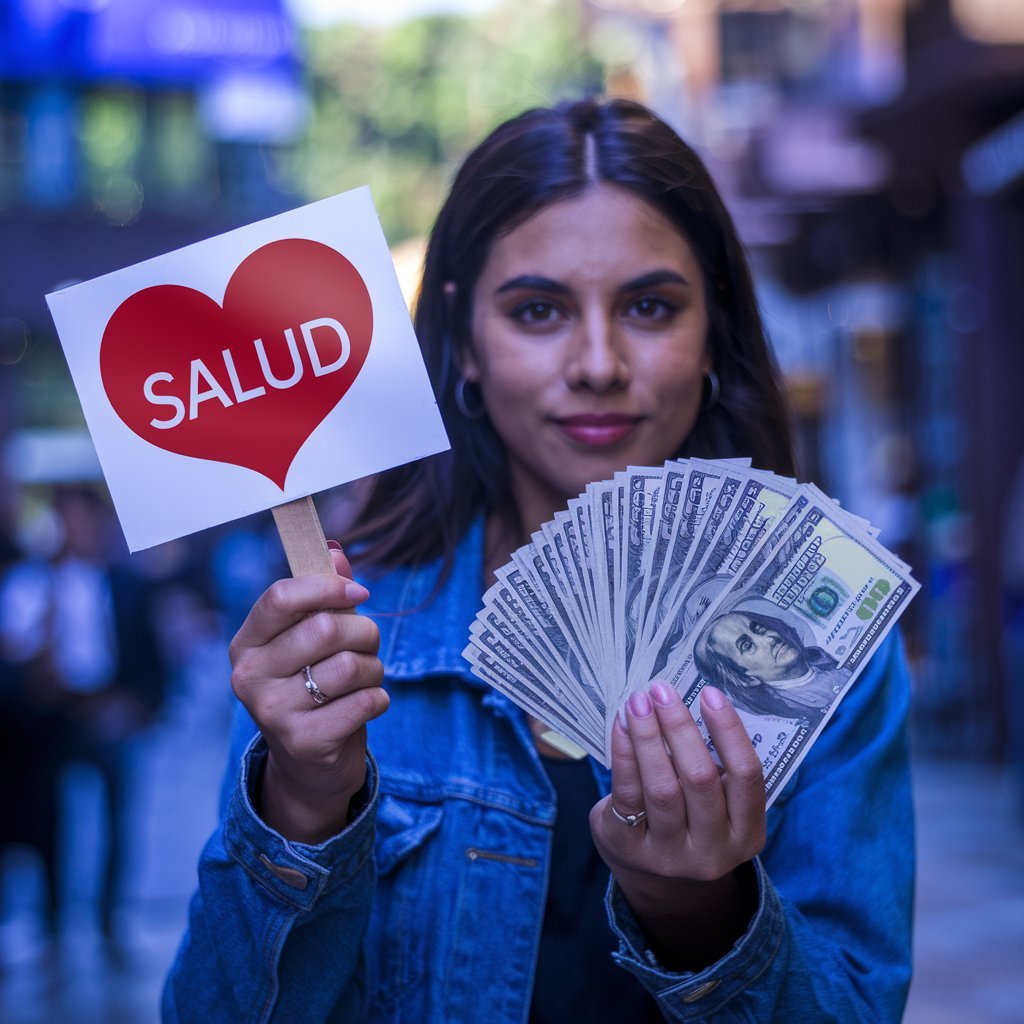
point(632, 820)
point(318, 695)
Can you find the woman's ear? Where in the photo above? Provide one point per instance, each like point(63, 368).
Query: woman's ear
point(467, 366)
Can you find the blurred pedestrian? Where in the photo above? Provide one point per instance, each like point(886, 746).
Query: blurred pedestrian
point(1012, 573)
point(30, 729)
point(79, 628)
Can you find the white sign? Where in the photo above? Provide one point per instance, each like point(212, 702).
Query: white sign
point(251, 369)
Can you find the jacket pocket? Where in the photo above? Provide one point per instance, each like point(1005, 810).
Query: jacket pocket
point(403, 940)
point(402, 826)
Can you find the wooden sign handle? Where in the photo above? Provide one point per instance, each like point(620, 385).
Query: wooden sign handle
point(303, 538)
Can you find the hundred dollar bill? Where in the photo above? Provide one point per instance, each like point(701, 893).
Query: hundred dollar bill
point(517, 642)
point(590, 550)
point(792, 632)
point(578, 532)
point(558, 548)
point(761, 499)
point(517, 591)
point(494, 672)
point(695, 492)
point(641, 488)
point(604, 530)
point(758, 503)
point(711, 492)
point(542, 566)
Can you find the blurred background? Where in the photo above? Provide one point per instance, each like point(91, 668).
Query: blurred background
point(872, 153)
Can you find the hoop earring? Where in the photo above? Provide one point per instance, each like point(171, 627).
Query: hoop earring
point(462, 405)
point(714, 390)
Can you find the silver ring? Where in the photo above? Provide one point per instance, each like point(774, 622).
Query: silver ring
point(632, 820)
point(318, 695)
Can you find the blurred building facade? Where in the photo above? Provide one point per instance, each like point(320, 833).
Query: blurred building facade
point(873, 155)
point(127, 129)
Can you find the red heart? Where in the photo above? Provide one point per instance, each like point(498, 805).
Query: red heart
point(289, 310)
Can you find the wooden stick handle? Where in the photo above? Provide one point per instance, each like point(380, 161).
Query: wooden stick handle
point(303, 538)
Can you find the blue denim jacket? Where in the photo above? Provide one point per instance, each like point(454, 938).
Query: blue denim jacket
point(427, 908)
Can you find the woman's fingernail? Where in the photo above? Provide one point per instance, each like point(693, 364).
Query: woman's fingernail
point(334, 545)
point(713, 698)
point(663, 693)
point(621, 716)
point(640, 705)
point(356, 592)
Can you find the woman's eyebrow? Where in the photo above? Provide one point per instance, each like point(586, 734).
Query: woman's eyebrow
point(653, 279)
point(536, 282)
point(533, 282)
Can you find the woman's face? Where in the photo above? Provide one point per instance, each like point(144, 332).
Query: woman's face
point(589, 344)
point(755, 649)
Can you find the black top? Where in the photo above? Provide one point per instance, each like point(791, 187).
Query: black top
point(576, 978)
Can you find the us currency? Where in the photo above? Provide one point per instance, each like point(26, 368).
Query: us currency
point(542, 560)
point(641, 488)
point(821, 603)
point(561, 544)
point(579, 532)
point(756, 505)
point(493, 671)
point(643, 575)
point(679, 524)
point(713, 492)
point(518, 644)
point(604, 530)
point(514, 591)
point(665, 517)
point(535, 569)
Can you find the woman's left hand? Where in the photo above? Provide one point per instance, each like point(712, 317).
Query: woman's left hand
point(684, 867)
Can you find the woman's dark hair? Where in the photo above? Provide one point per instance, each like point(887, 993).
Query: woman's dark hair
point(757, 698)
point(421, 511)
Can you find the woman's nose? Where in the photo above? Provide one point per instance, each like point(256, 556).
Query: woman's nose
point(597, 358)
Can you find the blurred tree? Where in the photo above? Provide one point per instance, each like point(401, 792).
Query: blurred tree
point(398, 107)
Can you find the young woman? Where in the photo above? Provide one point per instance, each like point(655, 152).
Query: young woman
point(585, 306)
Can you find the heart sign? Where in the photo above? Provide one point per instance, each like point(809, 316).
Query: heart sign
point(246, 382)
point(236, 374)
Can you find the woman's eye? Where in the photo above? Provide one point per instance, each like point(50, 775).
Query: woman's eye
point(535, 312)
point(651, 307)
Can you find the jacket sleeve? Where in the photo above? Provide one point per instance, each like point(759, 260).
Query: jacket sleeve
point(831, 938)
point(267, 908)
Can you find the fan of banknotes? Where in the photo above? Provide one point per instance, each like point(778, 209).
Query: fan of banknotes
point(694, 572)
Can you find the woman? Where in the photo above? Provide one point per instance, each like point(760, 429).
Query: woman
point(761, 664)
point(585, 306)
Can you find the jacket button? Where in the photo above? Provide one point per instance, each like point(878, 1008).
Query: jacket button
point(296, 879)
point(701, 991)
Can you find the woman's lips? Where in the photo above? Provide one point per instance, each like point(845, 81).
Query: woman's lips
point(598, 430)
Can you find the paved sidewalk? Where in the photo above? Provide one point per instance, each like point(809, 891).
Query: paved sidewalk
point(970, 914)
point(969, 934)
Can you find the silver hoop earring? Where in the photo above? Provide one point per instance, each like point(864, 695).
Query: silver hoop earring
point(463, 406)
point(714, 390)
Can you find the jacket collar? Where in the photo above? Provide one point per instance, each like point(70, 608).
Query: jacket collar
point(424, 632)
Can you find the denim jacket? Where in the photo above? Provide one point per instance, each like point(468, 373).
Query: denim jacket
point(427, 908)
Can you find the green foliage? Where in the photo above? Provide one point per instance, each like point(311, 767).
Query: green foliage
point(397, 108)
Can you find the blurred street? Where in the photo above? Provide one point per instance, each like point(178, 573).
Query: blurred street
point(970, 897)
point(970, 920)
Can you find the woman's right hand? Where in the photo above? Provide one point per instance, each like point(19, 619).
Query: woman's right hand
point(317, 753)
